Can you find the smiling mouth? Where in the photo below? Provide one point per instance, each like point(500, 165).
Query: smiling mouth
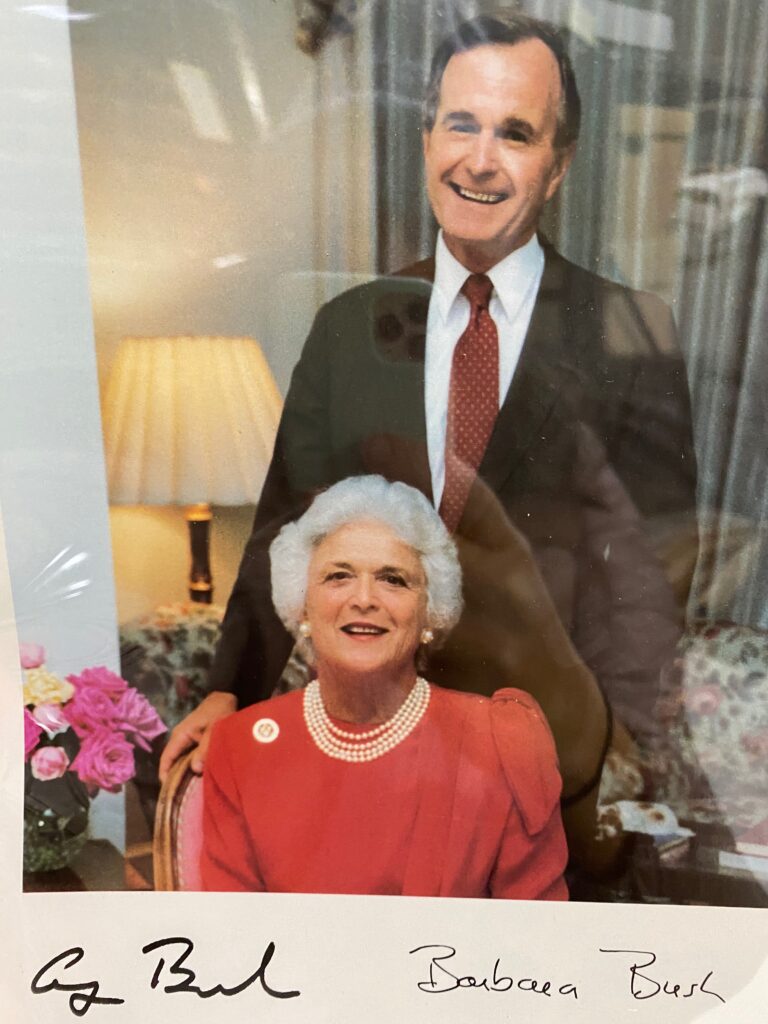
point(363, 629)
point(489, 198)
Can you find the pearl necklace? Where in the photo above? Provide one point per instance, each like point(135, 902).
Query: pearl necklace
point(357, 747)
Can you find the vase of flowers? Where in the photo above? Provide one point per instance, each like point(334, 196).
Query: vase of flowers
point(79, 737)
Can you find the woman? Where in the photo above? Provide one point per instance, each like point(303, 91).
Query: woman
point(371, 780)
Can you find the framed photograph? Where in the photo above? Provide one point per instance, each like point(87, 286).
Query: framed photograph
point(382, 405)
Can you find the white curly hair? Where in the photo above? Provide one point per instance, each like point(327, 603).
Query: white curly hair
point(401, 508)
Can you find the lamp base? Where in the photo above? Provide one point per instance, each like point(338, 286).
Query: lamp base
point(200, 582)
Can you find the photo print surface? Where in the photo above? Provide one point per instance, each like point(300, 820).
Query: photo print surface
point(255, 279)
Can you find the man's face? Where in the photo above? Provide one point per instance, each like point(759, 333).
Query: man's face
point(490, 157)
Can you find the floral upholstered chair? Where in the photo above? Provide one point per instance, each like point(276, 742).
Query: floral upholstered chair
point(714, 759)
point(167, 656)
point(704, 779)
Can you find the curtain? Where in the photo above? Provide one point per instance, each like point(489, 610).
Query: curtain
point(667, 193)
point(342, 173)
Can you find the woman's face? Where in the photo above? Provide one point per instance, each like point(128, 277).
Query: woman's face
point(366, 600)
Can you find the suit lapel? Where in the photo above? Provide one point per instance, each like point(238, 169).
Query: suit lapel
point(535, 385)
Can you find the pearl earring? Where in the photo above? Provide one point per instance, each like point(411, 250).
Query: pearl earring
point(305, 629)
point(427, 636)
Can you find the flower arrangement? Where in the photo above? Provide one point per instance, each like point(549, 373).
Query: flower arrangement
point(79, 737)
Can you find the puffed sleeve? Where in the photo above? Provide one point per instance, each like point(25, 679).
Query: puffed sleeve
point(228, 862)
point(533, 852)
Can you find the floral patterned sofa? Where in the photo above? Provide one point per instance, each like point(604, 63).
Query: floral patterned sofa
point(167, 655)
point(714, 759)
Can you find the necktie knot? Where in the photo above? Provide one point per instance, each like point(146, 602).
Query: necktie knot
point(478, 288)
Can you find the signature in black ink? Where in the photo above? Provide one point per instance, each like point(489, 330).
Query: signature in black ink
point(188, 976)
point(85, 994)
point(442, 980)
point(643, 986)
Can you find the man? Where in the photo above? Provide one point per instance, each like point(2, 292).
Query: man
point(544, 411)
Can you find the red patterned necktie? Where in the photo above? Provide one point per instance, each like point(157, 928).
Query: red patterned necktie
point(473, 400)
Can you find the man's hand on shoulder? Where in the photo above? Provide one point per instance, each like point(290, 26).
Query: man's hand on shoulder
point(195, 731)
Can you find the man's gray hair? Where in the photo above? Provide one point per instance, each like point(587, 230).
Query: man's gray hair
point(371, 498)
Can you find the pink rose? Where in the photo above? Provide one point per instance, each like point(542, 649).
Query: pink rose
point(137, 718)
point(703, 700)
point(32, 655)
point(49, 763)
point(32, 732)
point(51, 717)
point(756, 744)
point(89, 710)
point(100, 678)
point(105, 760)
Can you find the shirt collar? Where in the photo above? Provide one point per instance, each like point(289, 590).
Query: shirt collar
point(511, 277)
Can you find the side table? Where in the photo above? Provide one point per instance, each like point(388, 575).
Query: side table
point(99, 867)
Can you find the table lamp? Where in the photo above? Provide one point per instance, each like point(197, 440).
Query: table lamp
point(190, 421)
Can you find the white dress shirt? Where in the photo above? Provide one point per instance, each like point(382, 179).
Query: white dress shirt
point(516, 283)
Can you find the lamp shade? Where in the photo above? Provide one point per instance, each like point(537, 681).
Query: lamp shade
point(189, 420)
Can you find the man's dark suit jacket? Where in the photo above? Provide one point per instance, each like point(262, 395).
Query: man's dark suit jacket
point(591, 461)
